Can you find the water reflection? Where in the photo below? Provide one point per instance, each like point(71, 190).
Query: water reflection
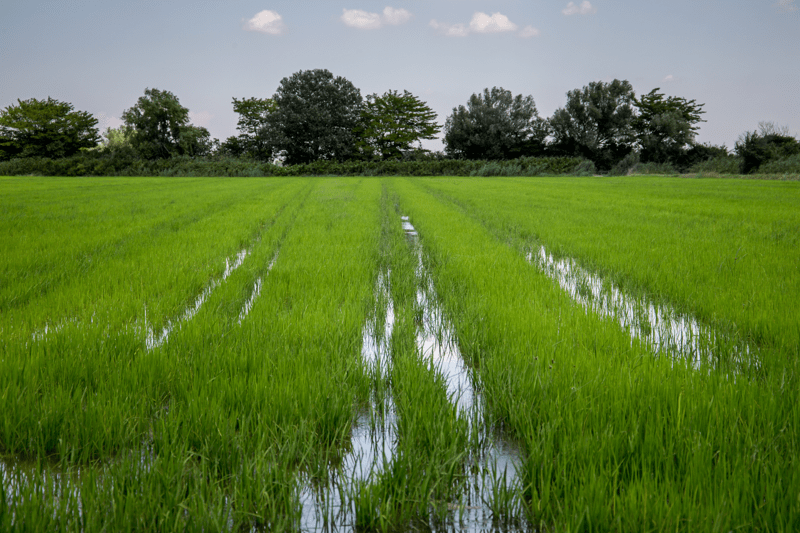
point(494, 464)
point(659, 326)
point(374, 435)
point(153, 340)
point(256, 292)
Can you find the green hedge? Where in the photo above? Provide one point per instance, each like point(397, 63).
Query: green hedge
point(718, 165)
point(784, 165)
point(98, 164)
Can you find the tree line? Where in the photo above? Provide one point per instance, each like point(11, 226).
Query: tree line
point(315, 117)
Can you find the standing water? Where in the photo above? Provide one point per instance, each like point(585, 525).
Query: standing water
point(256, 292)
point(495, 464)
point(661, 327)
point(374, 436)
point(154, 340)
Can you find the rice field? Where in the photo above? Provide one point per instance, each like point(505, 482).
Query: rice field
point(394, 354)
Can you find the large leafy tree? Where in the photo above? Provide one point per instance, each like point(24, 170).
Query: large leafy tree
point(392, 123)
point(495, 125)
point(665, 127)
point(159, 127)
point(253, 139)
point(596, 123)
point(45, 128)
point(315, 117)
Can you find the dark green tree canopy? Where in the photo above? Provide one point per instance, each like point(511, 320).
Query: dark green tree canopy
point(766, 144)
point(315, 117)
point(494, 125)
point(45, 128)
point(392, 123)
point(596, 123)
point(665, 127)
point(159, 127)
point(254, 138)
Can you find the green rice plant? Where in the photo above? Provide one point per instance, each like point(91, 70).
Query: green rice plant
point(614, 437)
point(721, 251)
point(426, 472)
point(236, 417)
point(228, 413)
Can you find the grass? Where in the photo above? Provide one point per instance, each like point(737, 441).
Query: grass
point(225, 424)
point(614, 437)
point(724, 251)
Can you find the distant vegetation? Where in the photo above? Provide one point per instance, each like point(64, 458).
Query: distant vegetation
point(319, 124)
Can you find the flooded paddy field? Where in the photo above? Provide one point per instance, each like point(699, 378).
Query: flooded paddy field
point(395, 354)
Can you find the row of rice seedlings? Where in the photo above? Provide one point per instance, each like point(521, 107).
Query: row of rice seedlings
point(157, 270)
point(421, 484)
point(242, 409)
point(613, 436)
point(257, 266)
point(62, 394)
point(656, 323)
point(490, 496)
point(373, 440)
point(722, 251)
point(374, 435)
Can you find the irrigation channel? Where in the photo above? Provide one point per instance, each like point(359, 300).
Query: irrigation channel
point(495, 462)
point(665, 330)
point(374, 437)
point(373, 441)
point(154, 341)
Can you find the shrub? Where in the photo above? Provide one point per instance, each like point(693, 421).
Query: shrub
point(122, 163)
point(784, 165)
point(585, 168)
point(757, 149)
point(626, 166)
point(726, 164)
point(654, 168)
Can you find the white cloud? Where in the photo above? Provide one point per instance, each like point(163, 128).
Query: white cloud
point(450, 30)
point(266, 22)
point(395, 16)
point(528, 32)
point(585, 8)
point(364, 20)
point(669, 78)
point(787, 6)
point(482, 23)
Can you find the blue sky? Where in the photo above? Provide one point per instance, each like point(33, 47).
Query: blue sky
point(742, 59)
